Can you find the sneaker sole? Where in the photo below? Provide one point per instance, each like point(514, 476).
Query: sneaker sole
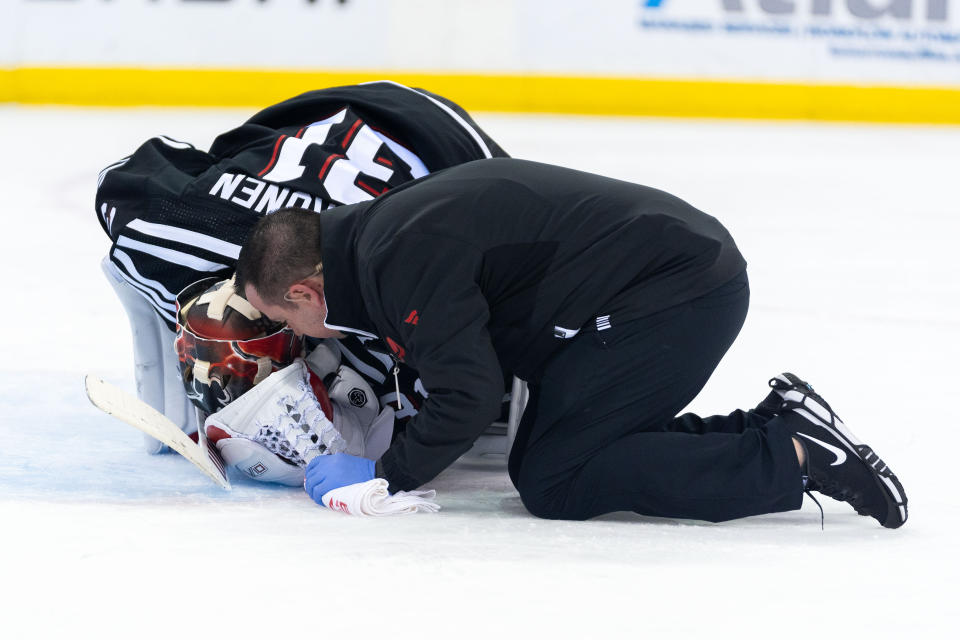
point(816, 409)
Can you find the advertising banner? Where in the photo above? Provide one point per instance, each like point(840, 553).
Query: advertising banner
point(602, 55)
point(900, 42)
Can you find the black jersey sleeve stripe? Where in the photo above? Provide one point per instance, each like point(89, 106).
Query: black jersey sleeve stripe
point(176, 144)
point(385, 362)
point(168, 316)
point(129, 268)
point(187, 237)
point(150, 264)
point(170, 255)
point(362, 367)
point(115, 165)
point(408, 410)
point(151, 290)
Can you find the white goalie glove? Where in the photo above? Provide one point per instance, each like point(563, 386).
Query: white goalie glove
point(271, 432)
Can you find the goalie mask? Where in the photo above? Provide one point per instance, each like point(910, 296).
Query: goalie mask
point(225, 346)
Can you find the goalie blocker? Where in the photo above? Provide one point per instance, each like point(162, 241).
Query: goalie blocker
point(274, 430)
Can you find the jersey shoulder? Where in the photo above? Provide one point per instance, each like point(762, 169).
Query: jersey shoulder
point(160, 167)
point(435, 128)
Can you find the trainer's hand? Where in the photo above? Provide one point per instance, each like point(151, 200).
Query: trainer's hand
point(325, 473)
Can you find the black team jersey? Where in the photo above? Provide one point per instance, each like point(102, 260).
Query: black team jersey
point(176, 214)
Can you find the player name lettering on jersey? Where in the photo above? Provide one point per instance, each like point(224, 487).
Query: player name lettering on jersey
point(263, 196)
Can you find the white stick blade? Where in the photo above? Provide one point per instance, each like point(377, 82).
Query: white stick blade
point(136, 413)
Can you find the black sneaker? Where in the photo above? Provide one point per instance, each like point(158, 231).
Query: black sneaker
point(839, 465)
point(769, 408)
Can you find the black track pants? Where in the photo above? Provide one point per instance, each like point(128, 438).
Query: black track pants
point(600, 432)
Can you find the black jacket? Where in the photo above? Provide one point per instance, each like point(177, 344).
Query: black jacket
point(489, 267)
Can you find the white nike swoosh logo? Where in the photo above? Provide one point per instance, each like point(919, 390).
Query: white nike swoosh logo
point(840, 453)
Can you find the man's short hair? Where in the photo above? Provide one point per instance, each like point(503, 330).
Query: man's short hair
point(282, 249)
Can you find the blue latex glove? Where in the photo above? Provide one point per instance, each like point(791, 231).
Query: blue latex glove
point(325, 473)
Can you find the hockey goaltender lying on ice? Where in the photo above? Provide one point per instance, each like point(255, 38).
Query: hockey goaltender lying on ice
point(176, 214)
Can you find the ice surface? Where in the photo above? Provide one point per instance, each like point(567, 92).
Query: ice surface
point(851, 233)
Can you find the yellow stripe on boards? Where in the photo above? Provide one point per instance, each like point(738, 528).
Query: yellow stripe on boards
point(514, 93)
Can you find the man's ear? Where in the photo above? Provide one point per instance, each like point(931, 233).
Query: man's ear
point(306, 292)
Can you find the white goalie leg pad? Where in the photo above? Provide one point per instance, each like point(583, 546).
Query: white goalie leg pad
point(258, 463)
point(282, 414)
point(379, 434)
point(155, 359)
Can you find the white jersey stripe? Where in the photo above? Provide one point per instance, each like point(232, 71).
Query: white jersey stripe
point(407, 410)
point(450, 112)
point(169, 255)
point(384, 359)
point(362, 366)
point(191, 238)
point(115, 165)
point(176, 144)
point(166, 315)
point(166, 310)
point(128, 264)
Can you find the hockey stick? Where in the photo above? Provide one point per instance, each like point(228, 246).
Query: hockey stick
point(136, 413)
